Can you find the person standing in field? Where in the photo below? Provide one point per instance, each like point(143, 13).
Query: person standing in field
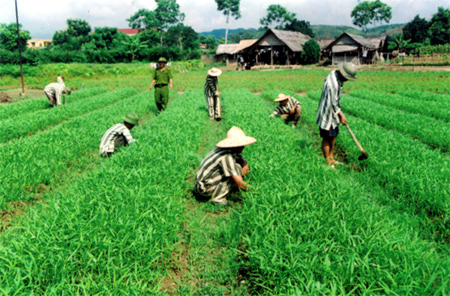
point(212, 93)
point(162, 78)
point(54, 91)
point(118, 135)
point(329, 114)
point(224, 168)
point(289, 108)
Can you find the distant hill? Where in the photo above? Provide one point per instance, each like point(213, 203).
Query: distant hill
point(322, 31)
point(220, 33)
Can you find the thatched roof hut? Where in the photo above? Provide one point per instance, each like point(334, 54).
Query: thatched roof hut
point(277, 47)
point(355, 49)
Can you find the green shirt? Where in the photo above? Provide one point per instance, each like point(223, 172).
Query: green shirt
point(162, 77)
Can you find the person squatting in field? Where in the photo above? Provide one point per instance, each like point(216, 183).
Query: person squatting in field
point(289, 108)
point(118, 135)
point(54, 91)
point(161, 78)
point(212, 93)
point(224, 168)
point(329, 114)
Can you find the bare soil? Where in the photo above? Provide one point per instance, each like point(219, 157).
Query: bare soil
point(15, 94)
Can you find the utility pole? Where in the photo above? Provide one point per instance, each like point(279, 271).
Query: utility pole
point(20, 50)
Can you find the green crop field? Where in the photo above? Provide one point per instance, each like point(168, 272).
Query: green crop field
point(77, 224)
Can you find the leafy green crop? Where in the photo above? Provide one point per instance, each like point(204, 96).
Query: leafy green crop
point(20, 108)
point(30, 123)
point(113, 231)
point(436, 109)
point(305, 229)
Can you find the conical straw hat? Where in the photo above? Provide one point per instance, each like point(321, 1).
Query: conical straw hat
point(214, 72)
point(281, 97)
point(235, 138)
point(348, 70)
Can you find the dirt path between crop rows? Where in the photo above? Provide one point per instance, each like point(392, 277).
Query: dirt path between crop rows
point(199, 263)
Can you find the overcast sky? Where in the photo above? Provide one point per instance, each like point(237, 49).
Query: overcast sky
point(43, 17)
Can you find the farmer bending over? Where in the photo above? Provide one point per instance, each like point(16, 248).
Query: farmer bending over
point(329, 114)
point(118, 135)
point(55, 91)
point(289, 108)
point(223, 168)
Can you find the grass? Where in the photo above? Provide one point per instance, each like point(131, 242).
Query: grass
point(130, 225)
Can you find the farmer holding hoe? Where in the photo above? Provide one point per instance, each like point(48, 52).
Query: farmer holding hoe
point(162, 76)
point(289, 108)
point(212, 93)
point(329, 114)
point(224, 168)
point(54, 91)
point(118, 135)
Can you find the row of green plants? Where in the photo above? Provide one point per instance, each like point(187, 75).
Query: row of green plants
point(438, 110)
point(34, 164)
point(395, 81)
point(428, 130)
point(415, 176)
point(425, 96)
point(113, 231)
point(306, 229)
point(23, 107)
point(29, 123)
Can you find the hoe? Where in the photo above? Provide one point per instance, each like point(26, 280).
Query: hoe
point(364, 154)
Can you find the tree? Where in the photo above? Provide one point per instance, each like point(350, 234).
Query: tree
point(76, 34)
point(300, 26)
point(133, 45)
point(311, 52)
point(440, 27)
point(229, 7)
point(370, 12)
point(8, 37)
point(416, 30)
point(166, 14)
point(210, 41)
point(183, 36)
point(106, 38)
point(399, 43)
point(277, 14)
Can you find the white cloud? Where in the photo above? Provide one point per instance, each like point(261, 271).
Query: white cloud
point(42, 18)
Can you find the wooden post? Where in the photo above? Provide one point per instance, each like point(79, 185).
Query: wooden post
point(20, 53)
point(271, 55)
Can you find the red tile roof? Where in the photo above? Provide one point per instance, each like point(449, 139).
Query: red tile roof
point(129, 31)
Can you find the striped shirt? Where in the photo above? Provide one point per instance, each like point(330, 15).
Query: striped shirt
point(286, 109)
point(330, 102)
point(118, 135)
point(56, 90)
point(219, 165)
point(211, 86)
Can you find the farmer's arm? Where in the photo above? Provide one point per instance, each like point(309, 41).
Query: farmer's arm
point(240, 183)
point(342, 117)
point(154, 79)
point(151, 85)
point(171, 84)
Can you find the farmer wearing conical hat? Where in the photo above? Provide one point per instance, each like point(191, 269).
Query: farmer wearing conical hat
point(54, 91)
point(329, 114)
point(224, 168)
point(289, 108)
point(162, 79)
point(118, 135)
point(212, 93)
